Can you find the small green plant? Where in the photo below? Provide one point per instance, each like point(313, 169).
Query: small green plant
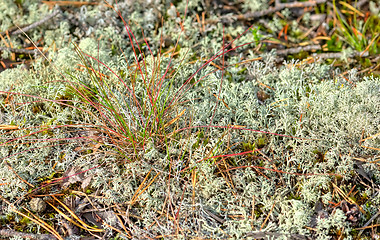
point(334, 44)
point(256, 35)
point(355, 33)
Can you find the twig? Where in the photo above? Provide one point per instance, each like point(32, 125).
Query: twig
point(340, 54)
point(16, 30)
point(274, 235)
point(71, 230)
point(337, 11)
point(22, 51)
point(368, 222)
point(372, 68)
point(69, 3)
point(298, 50)
point(320, 56)
point(10, 168)
point(360, 3)
point(36, 24)
point(214, 216)
point(278, 7)
point(266, 219)
point(12, 233)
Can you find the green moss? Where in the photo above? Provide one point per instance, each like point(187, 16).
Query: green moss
point(25, 221)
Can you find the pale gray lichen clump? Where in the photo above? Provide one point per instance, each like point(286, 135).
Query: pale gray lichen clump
point(11, 14)
point(328, 112)
point(334, 113)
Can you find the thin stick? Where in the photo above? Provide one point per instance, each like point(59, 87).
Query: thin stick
point(36, 24)
point(12, 233)
point(10, 168)
point(69, 3)
point(21, 51)
point(340, 54)
point(274, 235)
point(298, 50)
point(277, 8)
point(365, 226)
point(266, 219)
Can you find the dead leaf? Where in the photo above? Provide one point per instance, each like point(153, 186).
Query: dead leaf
point(74, 175)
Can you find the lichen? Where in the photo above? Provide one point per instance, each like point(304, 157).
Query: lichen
point(328, 114)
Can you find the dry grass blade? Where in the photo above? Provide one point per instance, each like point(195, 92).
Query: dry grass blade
point(369, 45)
point(278, 101)
point(89, 228)
point(368, 227)
point(117, 230)
point(122, 224)
point(141, 186)
point(227, 176)
point(72, 221)
point(266, 219)
point(36, 220)
point(40, 222)
point(373, 148)
point(68, 3)
point(15, 173)
point(253, 208)
point(352, 8)
point(193, 183)
point(219, 99)
point(370, 137)
point(250, 60)
point(175, 119)
point(150, 183)
point(43, 222)
point(341, 193)
point(8, 127)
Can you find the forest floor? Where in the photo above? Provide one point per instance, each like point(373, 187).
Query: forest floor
point(207, 119)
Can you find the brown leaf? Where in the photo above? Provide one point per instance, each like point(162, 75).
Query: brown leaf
point(74, 175)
